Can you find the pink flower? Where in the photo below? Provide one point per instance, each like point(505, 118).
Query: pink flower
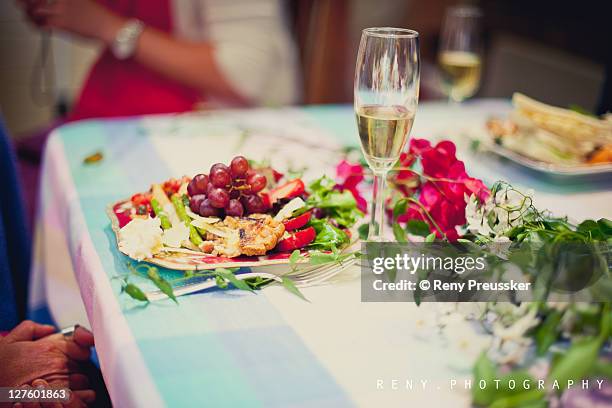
point(349, 177)
point(443, 193)
point(405, 180)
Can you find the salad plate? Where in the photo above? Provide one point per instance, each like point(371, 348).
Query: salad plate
point(234, 216)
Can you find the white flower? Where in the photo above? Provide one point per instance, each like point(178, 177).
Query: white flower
point(510, 345)
point(176, 235)
point(141, 238)
point(510, 205)
point(476, 216)
point(462, 337)
point(518, 329)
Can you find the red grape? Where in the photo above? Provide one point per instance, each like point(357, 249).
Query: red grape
point(234, 208)
point(207, 210)
point(239, 166)
point(220, 178)
point(253, 204)
point(234, 194)
point(195, 202)
point(209, 188)
point(197, 185)
point(218, 198)
point(218, 166)
point(257, 182)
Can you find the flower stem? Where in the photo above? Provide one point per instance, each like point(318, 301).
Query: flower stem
point(433, 222)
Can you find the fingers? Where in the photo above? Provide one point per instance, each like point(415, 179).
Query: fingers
point(29, 404)
point(83, 337)
point(28, 330)
point(87, 396)
point(74, 351)
point(68, 347)
point(80, 399)
point(42, 384)
point(78, 381)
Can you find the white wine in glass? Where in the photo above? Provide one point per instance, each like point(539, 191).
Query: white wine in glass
point(383, 131)
point(386, 95)
point(460, 73)
point(460, 53)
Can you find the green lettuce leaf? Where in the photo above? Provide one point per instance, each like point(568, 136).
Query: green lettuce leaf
point(341, 206)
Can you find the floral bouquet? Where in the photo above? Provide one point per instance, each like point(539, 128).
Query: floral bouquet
point(542, 342)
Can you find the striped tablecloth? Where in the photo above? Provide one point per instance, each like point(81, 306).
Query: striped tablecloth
point(228, 348)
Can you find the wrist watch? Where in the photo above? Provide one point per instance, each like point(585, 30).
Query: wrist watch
point(124, 44)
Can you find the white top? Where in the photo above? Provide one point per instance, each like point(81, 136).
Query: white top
point(253, 45)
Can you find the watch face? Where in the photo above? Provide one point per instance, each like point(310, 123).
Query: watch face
point(124, 44)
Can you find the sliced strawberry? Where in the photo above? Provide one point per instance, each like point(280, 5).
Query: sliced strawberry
point(277, 175)
point(297, 240)
point(291, 189)
point(297, 222)
point(265, 197)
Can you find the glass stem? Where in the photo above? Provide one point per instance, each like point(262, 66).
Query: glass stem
point(377, 213)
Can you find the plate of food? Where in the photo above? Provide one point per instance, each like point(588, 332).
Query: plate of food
point(551, 139)
point(236, 215)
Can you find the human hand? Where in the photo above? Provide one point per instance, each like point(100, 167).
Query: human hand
point(31, 352)
point(86, 18)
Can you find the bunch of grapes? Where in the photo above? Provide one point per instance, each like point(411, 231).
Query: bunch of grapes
point(227, 190)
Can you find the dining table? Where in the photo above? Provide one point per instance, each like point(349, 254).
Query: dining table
point(270, 348)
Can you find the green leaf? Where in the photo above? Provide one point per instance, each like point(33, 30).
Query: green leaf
point(295, 256)
point(519, 377)
point(605, 226)
point(221, 283)
point(399, 233)
point(431, 237)
point(328, 237)
point(229, 276)
point(363, 231)
point(400, 208)
point(162, 284)
point(530, 398)
point(290, 286)
point(338, 205)
point(135, 292)
point(576, 362)
point(602, 368)
point(418, 227)
point(484, 369)
point(547, 332)
point(606, 322)
point(319, 258)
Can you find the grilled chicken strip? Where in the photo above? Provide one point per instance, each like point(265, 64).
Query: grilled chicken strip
point(252, 235)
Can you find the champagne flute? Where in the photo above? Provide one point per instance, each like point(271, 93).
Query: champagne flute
point(460, 52)
point(386, 95)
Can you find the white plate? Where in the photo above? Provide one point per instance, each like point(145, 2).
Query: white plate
point(550, 168)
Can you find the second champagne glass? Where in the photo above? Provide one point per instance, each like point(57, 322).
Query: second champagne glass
point(460, 52)
point(386, 95)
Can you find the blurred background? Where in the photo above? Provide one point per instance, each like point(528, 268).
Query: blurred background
point(554, 51)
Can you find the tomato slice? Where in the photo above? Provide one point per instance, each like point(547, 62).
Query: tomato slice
point(141, 199)
point(298, 239)
point(291, 189)
point(297, 222)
